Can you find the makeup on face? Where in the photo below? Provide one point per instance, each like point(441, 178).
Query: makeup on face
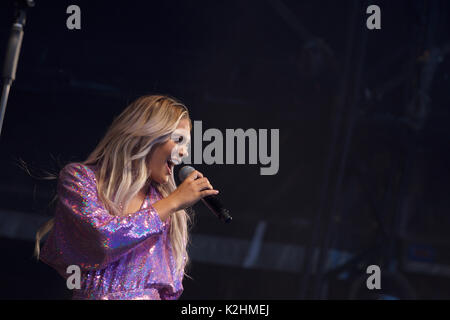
point(180, 138)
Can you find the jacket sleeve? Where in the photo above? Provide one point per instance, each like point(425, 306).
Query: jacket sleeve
point(85, 233)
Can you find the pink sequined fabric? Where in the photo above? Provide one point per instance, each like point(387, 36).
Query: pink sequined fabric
point(119, 257)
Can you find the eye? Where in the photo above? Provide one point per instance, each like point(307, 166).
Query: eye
point(180, 139)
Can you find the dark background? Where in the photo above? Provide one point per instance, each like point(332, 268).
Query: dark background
point(364, 137)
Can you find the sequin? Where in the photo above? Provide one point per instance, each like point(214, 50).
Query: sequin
point(120, 258)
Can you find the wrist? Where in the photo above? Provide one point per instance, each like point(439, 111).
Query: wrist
point(172, 203)
point(165, 207)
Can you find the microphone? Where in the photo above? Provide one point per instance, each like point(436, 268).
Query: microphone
point(212, 202)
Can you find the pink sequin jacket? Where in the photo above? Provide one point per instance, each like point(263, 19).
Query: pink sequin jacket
point(119, 257)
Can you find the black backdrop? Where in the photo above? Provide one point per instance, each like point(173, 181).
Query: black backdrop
point(362, 115)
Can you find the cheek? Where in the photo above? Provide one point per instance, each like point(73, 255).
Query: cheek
point(170, 147)
point(161, 155)
point(165, 149)
point(156, 157)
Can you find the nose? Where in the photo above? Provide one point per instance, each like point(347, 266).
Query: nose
point(183, 152)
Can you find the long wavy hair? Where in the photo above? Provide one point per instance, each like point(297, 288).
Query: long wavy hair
point(122, 159)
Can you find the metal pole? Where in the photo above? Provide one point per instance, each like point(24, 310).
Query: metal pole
point(308, 263)
point(12, 53)
point(353, 116)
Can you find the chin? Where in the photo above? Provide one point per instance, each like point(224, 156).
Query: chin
point(164, 179)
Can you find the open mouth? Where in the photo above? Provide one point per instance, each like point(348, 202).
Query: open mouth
point(169, 166)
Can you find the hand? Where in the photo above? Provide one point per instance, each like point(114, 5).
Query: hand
point(193, 188)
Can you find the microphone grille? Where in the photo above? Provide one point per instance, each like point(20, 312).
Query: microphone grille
point(184, 172)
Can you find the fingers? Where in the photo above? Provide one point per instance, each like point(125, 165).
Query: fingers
point(198, 183)
point(203, 183)
point(206, 193)
point(194, 175)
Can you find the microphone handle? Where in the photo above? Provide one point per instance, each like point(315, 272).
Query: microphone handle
point(214, 204)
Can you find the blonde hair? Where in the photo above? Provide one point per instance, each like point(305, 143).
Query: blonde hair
point(122, 159)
